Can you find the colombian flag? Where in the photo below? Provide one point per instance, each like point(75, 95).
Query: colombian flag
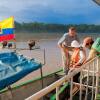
point(7, 29)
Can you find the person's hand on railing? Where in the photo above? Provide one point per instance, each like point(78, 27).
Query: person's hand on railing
point(76, 66)
point(71, 69)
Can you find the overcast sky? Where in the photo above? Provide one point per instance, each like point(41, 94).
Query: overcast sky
point(51, 11)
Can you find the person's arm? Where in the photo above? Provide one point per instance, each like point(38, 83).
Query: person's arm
point(60, 42)
point(92, 54)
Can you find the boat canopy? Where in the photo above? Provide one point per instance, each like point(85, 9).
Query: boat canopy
point(13, 67)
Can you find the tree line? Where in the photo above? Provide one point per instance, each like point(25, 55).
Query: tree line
point(48, 28)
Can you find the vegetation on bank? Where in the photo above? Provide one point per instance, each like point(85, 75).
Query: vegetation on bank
point(48, 28)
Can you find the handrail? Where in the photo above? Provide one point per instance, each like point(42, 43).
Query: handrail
point(56, 84)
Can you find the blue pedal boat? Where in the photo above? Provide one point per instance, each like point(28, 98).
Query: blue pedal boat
point(13, 67)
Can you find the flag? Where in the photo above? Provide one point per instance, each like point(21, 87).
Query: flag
point(7, 29)
point(0, 27)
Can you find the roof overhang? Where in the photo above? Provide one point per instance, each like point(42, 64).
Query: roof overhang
point(97, 2)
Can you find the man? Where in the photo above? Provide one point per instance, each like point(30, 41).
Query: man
point(93, 46)
point(64, 43)
point(31, 43)
point(4, 43)
point(12, 44)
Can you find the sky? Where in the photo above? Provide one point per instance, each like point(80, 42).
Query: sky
point(51, 11)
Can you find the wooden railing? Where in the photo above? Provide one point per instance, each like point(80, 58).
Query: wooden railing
point(90, 69)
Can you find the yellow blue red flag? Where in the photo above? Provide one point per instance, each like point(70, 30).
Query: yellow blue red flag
point(7, 29)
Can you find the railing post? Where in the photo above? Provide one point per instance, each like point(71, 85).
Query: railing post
point(41, 72)
point(86, 95)
point(80, 98)
point(93, 80)
point(44, 57)
point(97, 78)
point(71, 89)
point(57, 94)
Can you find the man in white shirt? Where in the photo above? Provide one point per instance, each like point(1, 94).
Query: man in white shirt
point(64, 43)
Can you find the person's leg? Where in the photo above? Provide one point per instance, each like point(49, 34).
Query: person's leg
point(30, 47)
point(65, 60)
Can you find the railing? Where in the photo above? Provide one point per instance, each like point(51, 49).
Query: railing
point(87, 72)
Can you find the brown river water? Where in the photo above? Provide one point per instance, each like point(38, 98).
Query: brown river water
point(52, 52)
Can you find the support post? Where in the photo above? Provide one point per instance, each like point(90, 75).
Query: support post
point(57, 94)
point(71, 89)
point(97, 78)
point(41, 72)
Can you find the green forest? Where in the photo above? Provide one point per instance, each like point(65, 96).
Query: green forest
point(48, 28)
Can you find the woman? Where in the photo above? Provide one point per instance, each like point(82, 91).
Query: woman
point(77, 59)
